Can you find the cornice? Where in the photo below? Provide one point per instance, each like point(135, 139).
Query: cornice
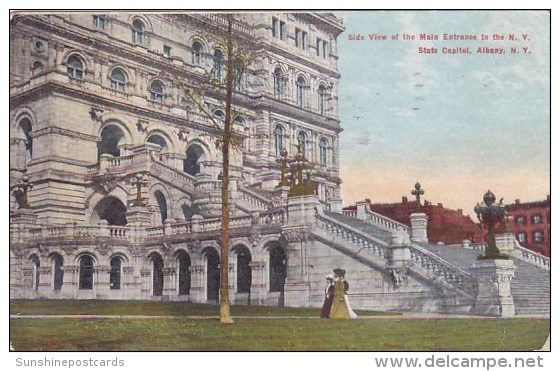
point(65, 132)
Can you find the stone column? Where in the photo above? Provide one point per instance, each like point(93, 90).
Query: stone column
point(131, 287)
point(45, 282)
point(146, 283)
point(361, 209)
point(419, 223)
point(494, 295)
point(259, 279)
point(102, 284)
point(169, 284)
point(198, 284)
point(70, 281)
point(399, 257)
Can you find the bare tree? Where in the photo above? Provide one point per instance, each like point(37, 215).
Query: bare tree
point(238, 57)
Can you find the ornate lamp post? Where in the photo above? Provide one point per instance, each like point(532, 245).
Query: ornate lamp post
point(21, 193)
point(417, 191)
point(139, 181)
point(489, 213)
point(283, 161)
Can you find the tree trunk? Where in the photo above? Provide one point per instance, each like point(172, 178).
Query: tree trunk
point(224, 258)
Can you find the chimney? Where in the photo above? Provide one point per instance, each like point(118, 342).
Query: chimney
point(439, 204)
point(460, 211)
point(517, 201)
point(404, 199)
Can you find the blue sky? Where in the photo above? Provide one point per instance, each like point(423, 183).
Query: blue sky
point(459, 124)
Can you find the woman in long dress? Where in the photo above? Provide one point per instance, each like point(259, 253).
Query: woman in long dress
point(329, 296)
point(341, 307)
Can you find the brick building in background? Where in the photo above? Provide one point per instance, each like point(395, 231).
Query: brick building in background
point(444, 225)
point(530, 222)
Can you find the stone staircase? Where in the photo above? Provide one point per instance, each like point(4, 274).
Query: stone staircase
point(530, 287)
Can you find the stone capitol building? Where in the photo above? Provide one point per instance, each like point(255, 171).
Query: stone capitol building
point(115, 174)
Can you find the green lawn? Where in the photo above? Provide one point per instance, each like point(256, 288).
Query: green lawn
point(294, 333)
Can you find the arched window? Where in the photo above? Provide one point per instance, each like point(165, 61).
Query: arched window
point(278, 139)
point(277, 269)
point(300, 91)
point(302, 141)
point(244, 272)
point(110, 209)
point(158, 139)
point(111, 137)
point(218, 64)
point(162, 204)
point(219, 116)
point(184, 272)
point(188, 212)
point(196, 52)
point(156, 91)
point(37, 68)
point(25, 134)
point(138, 29)
point(157, 274)
point(58, 271)
point(115, 273)
point(278, 83)
point(238, 70)
point(323, 151)
point(195, 154)
point(75, 67)
point(86, 273)
point(239, 122)
point(118, 79)
point(36, 264)
point(322, 91)
point(212, 275)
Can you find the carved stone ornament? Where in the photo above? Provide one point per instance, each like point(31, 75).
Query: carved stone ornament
point(95, 114)
point(398, 276)
point(295, 235)
point(106, 184)
point(182, 135)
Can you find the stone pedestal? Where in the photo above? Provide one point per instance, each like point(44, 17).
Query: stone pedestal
point(419, 223)
point(281, 195)
point(198, 284)
point(20, 222)
point(494, 295)
point(361, 209)
point(102, 283)
point(301, 210)
point(259, 281)
point(505, 242)
point(45, 282)
point(399, 250)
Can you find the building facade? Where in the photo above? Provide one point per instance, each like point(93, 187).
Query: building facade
point(530, 223)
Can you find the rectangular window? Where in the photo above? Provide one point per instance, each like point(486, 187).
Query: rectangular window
point(274, 27)
point(99, 21)
point(282, 30)
point(521, 237)
point(167, 50)
point(319, 43)
point(537, 237)
point(303, 40)
point(520, 221)
point(325, 45)
point(537, 219)
point(297, 39)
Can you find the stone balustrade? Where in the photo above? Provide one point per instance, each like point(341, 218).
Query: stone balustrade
point(254, 199)
point(172, 175)
point(438, 267)
point(273, 217)
point(352, 213)
point(385, 223)
point(531, 256)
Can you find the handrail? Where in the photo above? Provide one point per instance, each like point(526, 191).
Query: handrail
point(532, 257)
point(384, 222)
point(254, 198)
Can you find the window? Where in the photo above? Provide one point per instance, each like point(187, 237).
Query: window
point(218, 65)
point(196, 52)
point(325, 45)
point(318, 47)
point(86, 273)
point(300, 86)
point(520, 221)
point(278, 139)
point(39, 46)
point(25, 129)
point(219, 116)
point(75, 67)
point(99, 21)
point(301, 39)
point(537, 219)
point(278, 83)
point(36, 264)
point(282, 30)
point(323, 152)
point(239, 122)
point(322, 91)
point(115, 273)
point(237, 75)
point(37, 68)
point(156, 91)
point(167, 50)
point(537, 236)
point(138, 31)
point(302, 141)
point(244, 271)
point(274, 27)
point(118, 79)
point(58, 268)
point(521, 237)
point(162, 204)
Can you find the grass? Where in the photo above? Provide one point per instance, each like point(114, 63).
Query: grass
point(291, 333)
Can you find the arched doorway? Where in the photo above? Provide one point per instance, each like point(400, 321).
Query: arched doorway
point(184, 272)
point(159, 140)
point(212, 275)
point(157, 274)
point(162, 204)
point(188, 211)
point(244, 272)
point(110, 209)
point(277, 269)
point(195, 154)
point(86, 273)
point(58, 271)
point(111, 137)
